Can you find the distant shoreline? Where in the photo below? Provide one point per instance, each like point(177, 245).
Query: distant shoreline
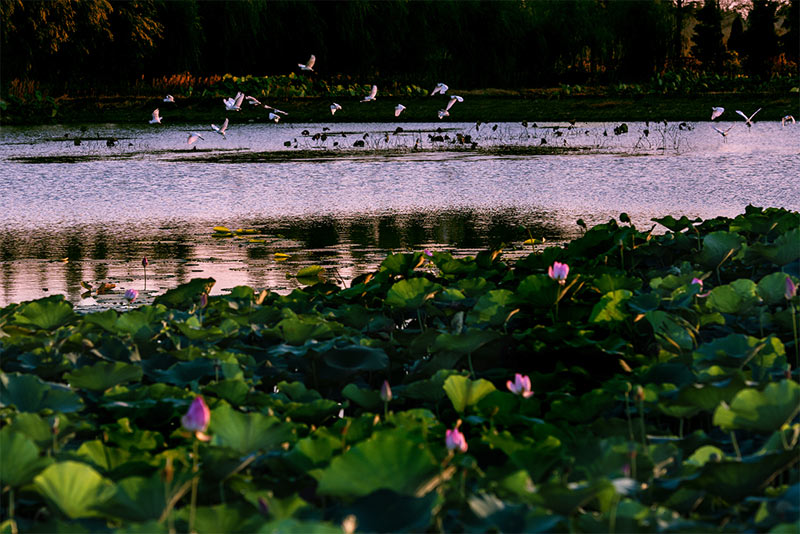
point(505, 106)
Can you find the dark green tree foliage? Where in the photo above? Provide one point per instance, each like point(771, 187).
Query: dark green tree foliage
point(708, 46)
point(790, 41)
point(736, 40)
point(761, 39)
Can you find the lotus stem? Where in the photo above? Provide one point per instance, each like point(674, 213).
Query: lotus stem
point(794, 331)
point(628, 415)
point(471, 369)
point(736, 445)
point(195, 481)
point(11, 519)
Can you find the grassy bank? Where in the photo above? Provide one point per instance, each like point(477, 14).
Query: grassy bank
point(486, 106)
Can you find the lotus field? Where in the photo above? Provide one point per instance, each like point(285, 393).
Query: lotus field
point(630, 381)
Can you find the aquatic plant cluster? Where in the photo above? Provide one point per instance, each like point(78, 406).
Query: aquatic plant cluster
point(628, 381)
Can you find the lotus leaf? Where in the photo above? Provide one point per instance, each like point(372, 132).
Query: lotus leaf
point(492, 308)
point(772, 288)
point(296, 526)
point(411, 294)
point(537, 291)
point(387, 511)
point(233, 390)
point(673, 334)
point(737, 297)
point(402, 264)
point(74, 488)
point(103, 375)
point(565, 499)
point(783, 251)
point(354, 358)
point(719, 246)
point(48, 313)
point(296, 330)
point(185, 296)
point(736, 349)
point(464, 392)
point(30, 394)
point(464, 343)
point(314, 451)
point(761, 411)
point(733, 480)
point(611, 307)
point(227, 518)
point(101, 456)
point(19, 459)
point(366, 398)
point(248, 432)
point(387, 460)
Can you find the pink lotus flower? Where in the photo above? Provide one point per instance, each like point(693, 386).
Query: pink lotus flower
point(791, 288)
point(520, 386)
point(131, 295)
point(455, 440)
point(144, 262)
point(197, 418)
point(386, 391)
point(558, 272)
point(428, 253)
point(698, 282)
point(204, 300)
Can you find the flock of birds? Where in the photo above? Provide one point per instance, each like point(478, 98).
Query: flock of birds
point(235, 104)
point(717, 112)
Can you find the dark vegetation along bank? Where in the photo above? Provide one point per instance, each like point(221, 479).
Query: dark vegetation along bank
point(625, 382)
point(112, 61)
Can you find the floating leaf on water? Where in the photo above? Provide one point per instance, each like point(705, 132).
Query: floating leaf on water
point(222, 230)
point(105, 288)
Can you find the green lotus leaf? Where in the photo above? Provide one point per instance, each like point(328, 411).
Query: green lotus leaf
point(737, 297)
point(354, 358)
point(101, 456)
point(401, 264)
point(537, 291)
point(704, 397)
point(247, 432)
point(107, 320)
point(296, 330)
point(672, 334)
point(676, 226)
point(28, 393)
point(761, 411)
point(296, 526)
point(735, 349)
point(234, 390)
point(74, 488)
point(783, 251)
point(298, 392)
point(705, 454)
point(411, 294)
point(312, 271)
point(607, 283)
point(717, 246)
point(387, 460)
point(464, 343)
point(19, 459)
point(772, 288)
point(492, 308)
point(183, 373)
point(103, 375)
point(186, 295)
point(314, 451)
point(314, 412)
point(388, 511)
point(137, 499)
point(366, 398)
point(47, 313)
point(228, 518)
point(566, 499)
point(733, 480)
point(430, 389)
point(611, 307)
point(464, 392)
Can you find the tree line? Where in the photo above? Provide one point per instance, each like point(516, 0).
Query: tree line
point(471, 43)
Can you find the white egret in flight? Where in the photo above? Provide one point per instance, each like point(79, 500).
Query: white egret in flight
point(234, 104)
point(169, 98)
point(309, 65)
point(723, 133)
point(440, 88)
point(273, 117)
point(453, 100)
point(398, 109)
point(252, 100)
point(193, 137)
point(156, 117)
point(716, 112)
point(334, 108)
point(748, 120)
point(785, 119)
point(443, 113)
point(372, 94)
point(221, 130)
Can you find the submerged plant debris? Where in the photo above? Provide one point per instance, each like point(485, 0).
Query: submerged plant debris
point(627, 381)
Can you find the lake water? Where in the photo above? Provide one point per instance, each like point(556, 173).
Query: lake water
point(89, 212)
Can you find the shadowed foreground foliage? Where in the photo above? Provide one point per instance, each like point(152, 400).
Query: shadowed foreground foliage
point(664, 399)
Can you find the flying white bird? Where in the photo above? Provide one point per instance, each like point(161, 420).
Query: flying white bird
point(372, 94)
point(453, 100)
point(253, 101)
point(273, 117)
point(219, 130)
point(169, 98)
point(723, 133)
point(398, 109)
point(443, 113)
point(748, 120)
point(234, 104)
point(716, 112)
point(309, 64)
point(194, 137)
point(785, 119)
point(156, 117)
point(440, 88)
point(334, 108)
point(275, 110)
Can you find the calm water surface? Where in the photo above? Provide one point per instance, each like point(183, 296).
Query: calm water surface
point(89, 212)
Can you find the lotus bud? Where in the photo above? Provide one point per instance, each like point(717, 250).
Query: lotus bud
point(349, 524)
point(640, 393)
point(144, 262)
point(197, 418)
point(558, 272)
point(204, 300)
point(791, 288)
point(455, 440)
point(698, 282)
point(428, 253)
point(131, 295)
point(520, 386)
point(386, 391)
point(263, 506)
